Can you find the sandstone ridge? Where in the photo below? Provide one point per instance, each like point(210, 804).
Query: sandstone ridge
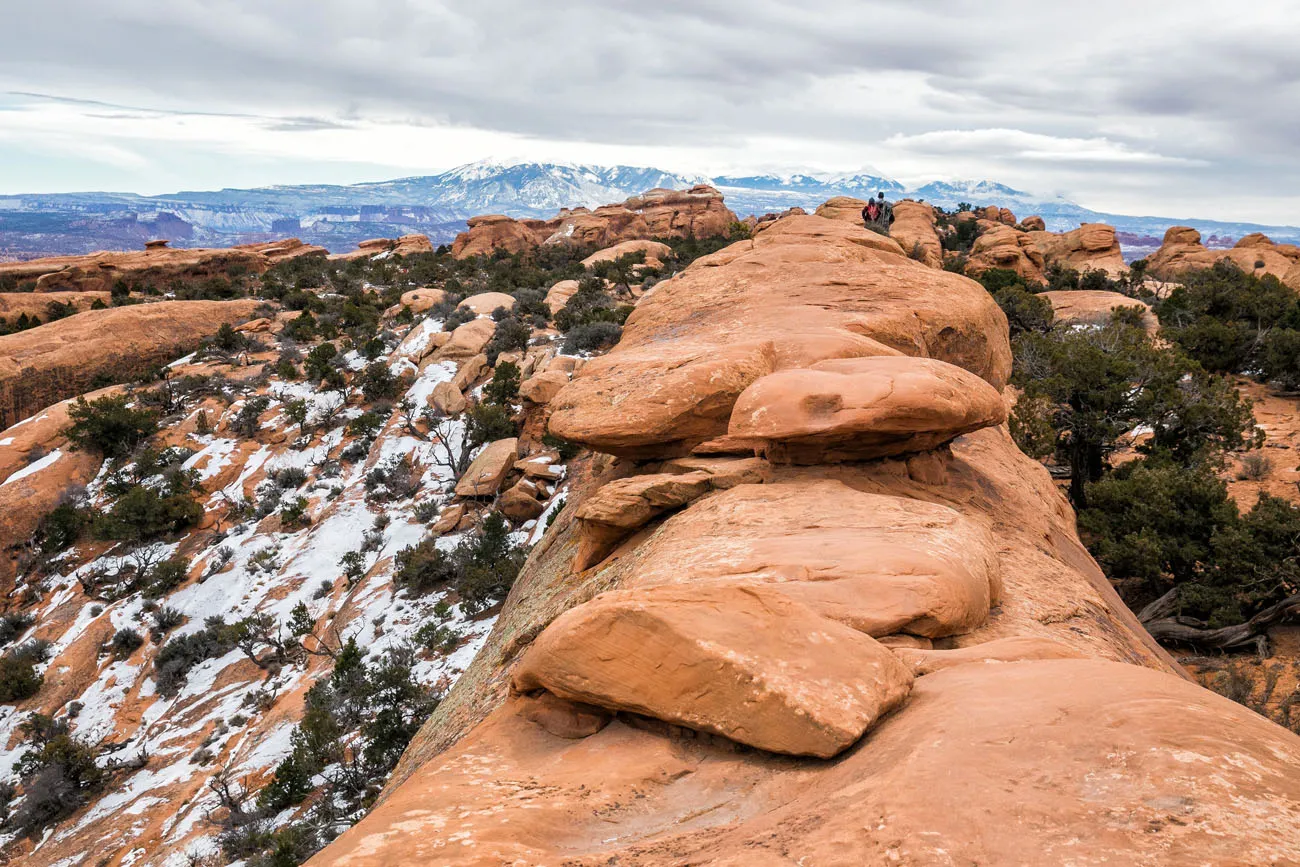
point(697, 212)
point(823, 543)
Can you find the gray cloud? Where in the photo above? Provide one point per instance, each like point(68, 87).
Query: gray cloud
point(1175, 90)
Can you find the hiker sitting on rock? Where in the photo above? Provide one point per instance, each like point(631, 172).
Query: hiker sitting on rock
point(878, 214)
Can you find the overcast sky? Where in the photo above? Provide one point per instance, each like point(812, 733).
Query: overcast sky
point(1139, 106)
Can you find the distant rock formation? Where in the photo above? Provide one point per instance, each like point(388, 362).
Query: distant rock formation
point(98, 272)
point(65, 358)
point(1183, 251)
point(819, 540)
point(406, 245)
point(697, 212)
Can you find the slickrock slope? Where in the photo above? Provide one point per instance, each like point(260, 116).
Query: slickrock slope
point(1094, 307)
point(697, 212)
point(928, 619)
point(36, 305)
point(1182, 251)
point(97, 272)
point(64, 358)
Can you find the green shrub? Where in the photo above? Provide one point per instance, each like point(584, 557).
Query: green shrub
point(18, 676)
point(58, 772)
point(378, 383)
point(145, 513)
point(109, 425)
point(504, 386)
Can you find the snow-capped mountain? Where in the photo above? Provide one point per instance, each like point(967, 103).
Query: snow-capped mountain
point(337, 217)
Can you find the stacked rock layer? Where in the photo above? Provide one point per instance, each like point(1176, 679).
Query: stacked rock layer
point(818, 609)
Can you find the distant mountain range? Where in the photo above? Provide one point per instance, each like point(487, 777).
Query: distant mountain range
point(337, 217)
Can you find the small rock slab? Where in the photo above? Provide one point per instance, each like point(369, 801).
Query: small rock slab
point(489, 469)
point(864, 408)
point(741, 662)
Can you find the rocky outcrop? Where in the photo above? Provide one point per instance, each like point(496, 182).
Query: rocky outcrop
point(1091, 247)
point(35, 305)
point(914, 230)
point(44, 365)
point(1089, 307)
point(1182, 251)
point(698, 212)
point(655, 252)
point(406, 245)
point(1030, 252)
point(928, 618)
point(862, 408)
point(156, 266)
point(804, 290)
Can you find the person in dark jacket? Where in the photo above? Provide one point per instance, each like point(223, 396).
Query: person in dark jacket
point(878, 214)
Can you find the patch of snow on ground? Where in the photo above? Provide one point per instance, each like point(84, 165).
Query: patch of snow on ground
point(34, 467)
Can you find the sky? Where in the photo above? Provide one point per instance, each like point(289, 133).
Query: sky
point(1152, 107)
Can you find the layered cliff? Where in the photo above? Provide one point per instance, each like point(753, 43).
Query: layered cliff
point(812, 605)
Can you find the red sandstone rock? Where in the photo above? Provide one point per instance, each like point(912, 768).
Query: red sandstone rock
point(44, 365)
point(704, 658)
point(698, 212)
point(810, 289)
point(860, 408)
point(487, 471)
point(98, 272)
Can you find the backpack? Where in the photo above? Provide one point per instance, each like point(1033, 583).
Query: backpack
point(872, 211)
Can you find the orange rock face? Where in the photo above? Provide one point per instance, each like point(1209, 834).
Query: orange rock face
point(1090, 307)
point(36, 304)
point(406, 245)
point(698, 212)
point(860, 408)
point(98, 272)
point(1182, 251)
point(55, 361)
point(928, 619)
point(827, 290)
point(914, 230)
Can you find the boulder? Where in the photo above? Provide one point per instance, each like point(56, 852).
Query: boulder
point(654, 251)
point(488, 234)
point(1000, 246)
point(541, 388)
point(805, 290)
point(422, 299)
point(448, 519)
point(914, 230)
point(1182, 251)
point(846, 209)
point(489, 469)
point(447, 399)
point(406, 245)
point(698, 212)
point(879, 564)
point(421, 341)
point(486, 302)
point(1033, 224)
point(557, 297)
point(1091, 247)
point(467, 340)
point(469, 372)
point(1094, 307)
point(702, 658)
point(545, 466)
point(864, 408)
point(723, 472)
point(519, 503)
